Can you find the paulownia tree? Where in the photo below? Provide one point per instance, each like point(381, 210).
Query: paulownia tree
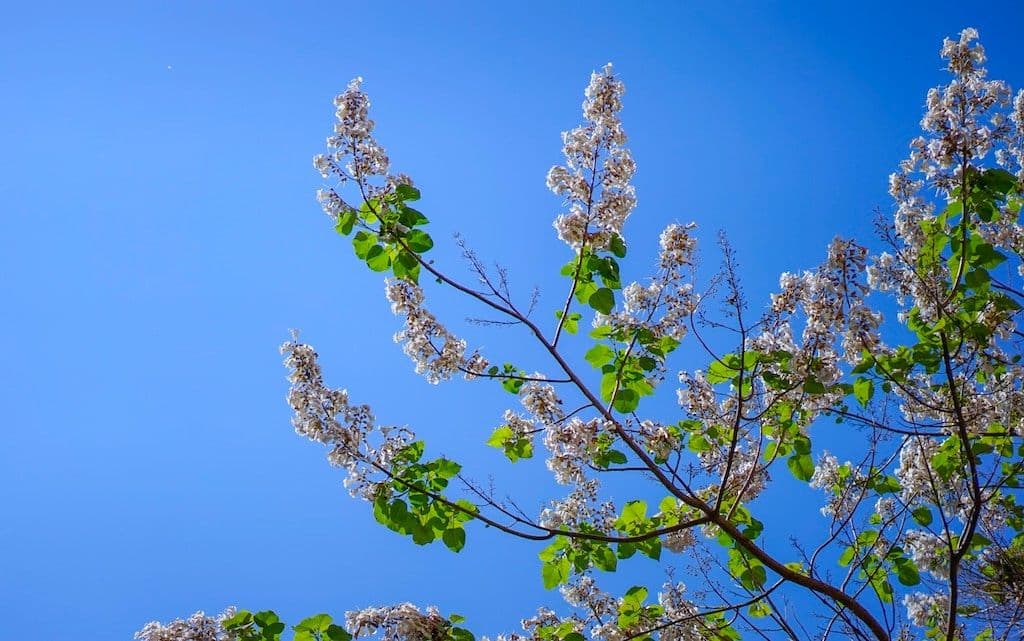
point(922, 533)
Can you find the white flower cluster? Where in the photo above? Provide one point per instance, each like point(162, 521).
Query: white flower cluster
point(964, 122)
point(521, 426)
point(541, 401)
point(921, 607)
point(960, 121)
point(928, 552)
point(748, 477)
point(658, 439)
point(423, 333)
point(325, 415)
point(580, 506)
point(197, 627)
point(1013, 156)
point(353, 139)
point(678, 608)
point(571, 444)
point(678, 621)
point(697, 397)
point(355, 155)
point(598, 168)
point(403, 622)
point(663, 306)
point(826, 473)
point(843, 495)
point(585, 594)
point(546, 618)
point(885, 507)
point(679, 540)
point(832, 301)
point(914, 470)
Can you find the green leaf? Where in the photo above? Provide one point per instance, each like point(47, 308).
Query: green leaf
point(500, 436)
point(719, 372)
point(599, 355)
point(801, 466)
point(345, 222)
point(422, 534)
point(362, 242)
point(863, 390)
point(633, 513)
point(978, 279)
point(265, 618)
point(407, 192)
point(603, 300)
point(604, 558)
point(555, 573)
point(419, 241)
point(626, 401)
point(617, 246)
point(608, 384)
point(377, 259)
point(337, 633)
point(315, 623)
point(406, 266)
point(411, 217)
point(242, 618)
point(609, 271)
point(454, 538)
point(923, 515)
point(446, 468)
point(814, 386)
point(882, 587)
point(760, 610)
point(907, 573)
point(753, 577)
point(847, 556)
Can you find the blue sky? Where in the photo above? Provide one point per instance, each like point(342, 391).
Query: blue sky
point(160, 237)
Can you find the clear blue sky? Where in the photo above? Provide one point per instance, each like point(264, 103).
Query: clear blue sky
point(160, 237)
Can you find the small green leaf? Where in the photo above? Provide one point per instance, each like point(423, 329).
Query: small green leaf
point(633, 513)
point(362, 242)
point(760, 610)
point(603, 300)
point(345, 222)
point(337, 633)
point(719, 372)
point(454, 538)
point(813, 386)
point(626, 401)
point(907, 573)
point(923, 515)
point(419, 241)
point(500, 436)
point(863, 390)
point(407, 192)
point(801, 466)
point(555, 573)
point(377, 259)
point(599, 355)
point(617, 246)
point(847, 556)
point(572, 322)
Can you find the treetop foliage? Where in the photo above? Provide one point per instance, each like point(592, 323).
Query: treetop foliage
point(923, 531)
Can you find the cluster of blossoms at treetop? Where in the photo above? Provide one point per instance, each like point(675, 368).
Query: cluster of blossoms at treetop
point(598, 168)
point(924, 511)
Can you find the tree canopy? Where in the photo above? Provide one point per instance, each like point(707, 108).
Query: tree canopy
point(915, 350)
